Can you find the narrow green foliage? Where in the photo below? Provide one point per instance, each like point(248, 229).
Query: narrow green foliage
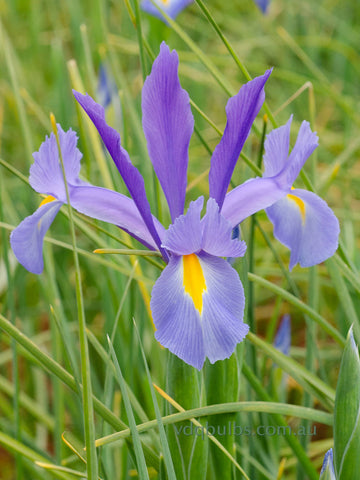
point(347, 414)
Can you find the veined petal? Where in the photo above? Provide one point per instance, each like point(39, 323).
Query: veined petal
point(306, 143)
point(223, 308)
point(305, 224)
point(27, 238)
point(168, 125)
point(130, 174)
point(250, 197)
point(175, 317)
point(46, 174)
point(192, 328)
point(170, 7)
point(217, 234)
point(184, 236)
point(276, 147)
point(241, 111)
point(115, 208)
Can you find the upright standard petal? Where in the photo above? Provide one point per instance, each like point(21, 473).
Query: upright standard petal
point(130, 174)
point(46, 174)
point(305, 224)
point(197, 306)
point(168, 125)
point(28, 237)
point(241, 111)
point(170, 7)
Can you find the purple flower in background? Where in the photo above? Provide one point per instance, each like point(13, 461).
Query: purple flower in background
point(262, 4)
point(171, 7)
point(46, 177)
point(327, 470)
point(282, 339)
point(198, 301)
point(302, 220)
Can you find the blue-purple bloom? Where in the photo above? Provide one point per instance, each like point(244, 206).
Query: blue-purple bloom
point(198, 302)
point(302, 220)
point(282, 339)
point(171, 7)
point(327, 470)
point(262, 4)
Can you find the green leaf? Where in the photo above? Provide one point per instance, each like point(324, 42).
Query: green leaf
point(347, 414)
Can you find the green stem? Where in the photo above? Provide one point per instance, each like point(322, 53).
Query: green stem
point(89, 426)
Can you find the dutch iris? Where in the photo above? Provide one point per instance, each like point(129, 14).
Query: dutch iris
point(198, 301)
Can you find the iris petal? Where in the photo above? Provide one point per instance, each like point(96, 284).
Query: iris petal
point(168, 125)
point(184, 236)
point(46, 174)
point(223, 308)
point(217, 234)
point(175, 317)
point(115, 208)
point(170, 7)
point(241, 111)
point(129, 173)
point(192, 333)
point(311, 233)
point(27, 238)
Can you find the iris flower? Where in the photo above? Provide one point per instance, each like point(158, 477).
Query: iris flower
point(262, 4)
point(327, 470)
point(198, 301)
point(172, 8)
point(302, 220)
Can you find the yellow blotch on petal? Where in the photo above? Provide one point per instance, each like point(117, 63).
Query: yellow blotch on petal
point(194, 281)
point(46, 200)
point(165, 2)
point(300, 203)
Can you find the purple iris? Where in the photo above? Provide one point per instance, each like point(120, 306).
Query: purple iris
point(302, 220)
point(262, 4)
point(198, 301)
point(171, 7)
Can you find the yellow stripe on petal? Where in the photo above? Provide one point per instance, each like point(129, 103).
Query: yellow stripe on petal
point(300, 203)
point(194, 281)
point(46, 200)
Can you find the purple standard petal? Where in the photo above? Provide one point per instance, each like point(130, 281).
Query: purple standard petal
point(262, 4)
point(176, 319)
point(130, 174)
point(185, 235)
point(195, 323)
point(115, 208)
point(277, 144)
point(280, 174)
point(46, 174)
point(168, 125)
point(27, 238)
point(241, 111)
point(170, 7)
point(305, 224)
point(217, 234)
